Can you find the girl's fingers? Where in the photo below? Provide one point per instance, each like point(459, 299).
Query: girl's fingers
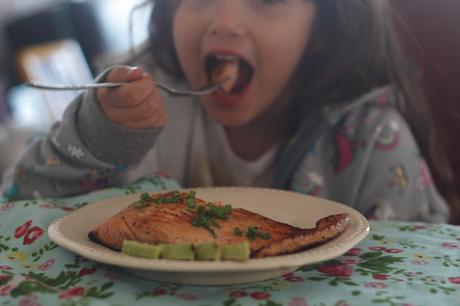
point(148, 122)
point(148, 112)
point(136, 104)
point(127, 95)
point(136, 73)
point(125, 74)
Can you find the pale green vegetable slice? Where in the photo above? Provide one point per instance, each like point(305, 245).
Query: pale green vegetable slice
point(236, 251)
point(178, 251)
point(139, 249)
point(207, 251)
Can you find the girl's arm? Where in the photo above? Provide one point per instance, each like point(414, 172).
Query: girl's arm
point(83, 152)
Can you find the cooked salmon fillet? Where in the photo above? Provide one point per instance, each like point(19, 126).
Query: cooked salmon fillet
point(172, 223)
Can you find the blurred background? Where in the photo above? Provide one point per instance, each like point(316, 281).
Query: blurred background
point(69, 41)
point(61, 41)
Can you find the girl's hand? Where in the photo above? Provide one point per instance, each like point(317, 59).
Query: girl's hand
point(137, 104)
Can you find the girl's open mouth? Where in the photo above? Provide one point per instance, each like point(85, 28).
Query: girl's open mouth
point(236, 72)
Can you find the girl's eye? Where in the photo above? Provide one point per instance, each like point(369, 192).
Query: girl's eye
point(267, 5)
point(268, 2)
point(272, 1)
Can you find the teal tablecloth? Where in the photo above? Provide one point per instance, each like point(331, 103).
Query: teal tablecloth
point(397, 264)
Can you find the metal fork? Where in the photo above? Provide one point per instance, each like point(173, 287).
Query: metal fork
point(200, 92)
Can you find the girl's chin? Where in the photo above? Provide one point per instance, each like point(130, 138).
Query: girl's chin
point(228, 117)
point(226, 100)
point(230, 100)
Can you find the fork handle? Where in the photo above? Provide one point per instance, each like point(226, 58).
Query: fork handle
point(173, 91)
point(41, 85)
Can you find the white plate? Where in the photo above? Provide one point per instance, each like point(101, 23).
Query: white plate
point(296, 209)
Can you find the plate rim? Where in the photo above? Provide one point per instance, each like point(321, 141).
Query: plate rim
point(174, 266)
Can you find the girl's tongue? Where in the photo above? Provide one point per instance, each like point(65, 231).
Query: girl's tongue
point(236, 72)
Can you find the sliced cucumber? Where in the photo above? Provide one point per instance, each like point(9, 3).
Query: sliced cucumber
point(178, 251)
point(207, 251)
point(237, 251)
point(186, 251)
point(138, 249)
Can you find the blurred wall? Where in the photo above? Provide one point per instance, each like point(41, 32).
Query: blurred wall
point(431, 32)
point(100, 26)
point(11, 9)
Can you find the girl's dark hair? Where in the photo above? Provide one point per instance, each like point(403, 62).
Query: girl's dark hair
point(353, 50)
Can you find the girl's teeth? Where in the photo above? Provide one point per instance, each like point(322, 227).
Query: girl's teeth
point(226, 57)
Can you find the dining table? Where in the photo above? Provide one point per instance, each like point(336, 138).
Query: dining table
point(397, 263)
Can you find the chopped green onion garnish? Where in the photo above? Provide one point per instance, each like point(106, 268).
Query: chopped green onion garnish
point(139, 204)
point(145, 197)
point(237, 231)
point(191, 200)
point(144, 200)
point(265, 236)
point(251, 233)
point(206, 216)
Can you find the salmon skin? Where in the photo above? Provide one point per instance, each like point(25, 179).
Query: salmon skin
point(176, 219)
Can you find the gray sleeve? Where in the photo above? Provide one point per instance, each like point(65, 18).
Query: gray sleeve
point(108, 141)
point(397, 183)
point(83, 152)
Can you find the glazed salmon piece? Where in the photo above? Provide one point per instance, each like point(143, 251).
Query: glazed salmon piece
point(172, 223)
point(228, 71)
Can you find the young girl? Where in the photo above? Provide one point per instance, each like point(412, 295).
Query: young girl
point(316, 108)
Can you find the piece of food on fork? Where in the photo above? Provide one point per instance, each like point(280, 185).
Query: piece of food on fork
point(181, 218)
point(224, 68)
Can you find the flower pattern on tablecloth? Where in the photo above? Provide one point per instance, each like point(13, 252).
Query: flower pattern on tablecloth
point(397, 264)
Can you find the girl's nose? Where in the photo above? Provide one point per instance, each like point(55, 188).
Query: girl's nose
point(227, 21)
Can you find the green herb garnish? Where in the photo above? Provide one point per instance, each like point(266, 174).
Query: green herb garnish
point(169, 200)
point(253, 232)
point(139, 204)
point(237, 231)
point(265, 236)
point(173, 197)
point(207, 215)
point(145, 197)
point(144, 200)
point(191, 203)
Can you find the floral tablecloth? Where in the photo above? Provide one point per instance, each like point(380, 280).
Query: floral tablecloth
point(397, 264)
